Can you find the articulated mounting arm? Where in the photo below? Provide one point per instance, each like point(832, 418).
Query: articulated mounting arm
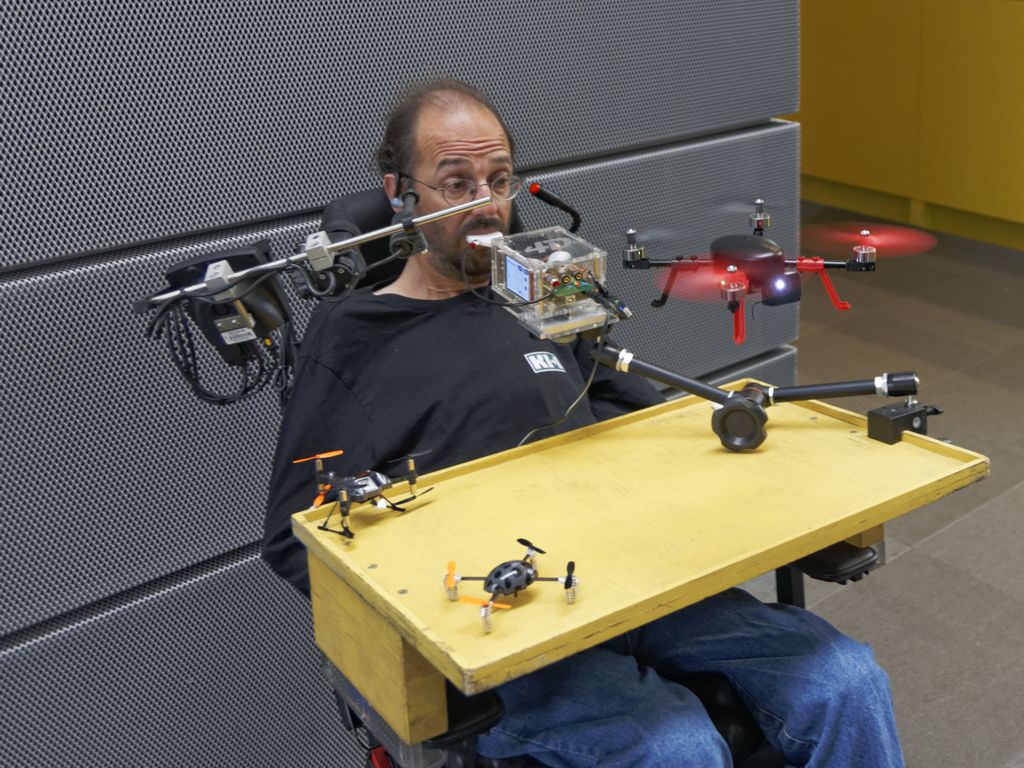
point(740, 420)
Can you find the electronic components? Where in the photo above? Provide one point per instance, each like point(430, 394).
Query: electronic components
point(550, 278)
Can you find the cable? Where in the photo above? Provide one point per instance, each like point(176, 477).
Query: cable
point(173, 323)
point(579, 398)
point(323, 294)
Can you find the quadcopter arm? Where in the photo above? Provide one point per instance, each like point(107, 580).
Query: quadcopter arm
point(815, 264)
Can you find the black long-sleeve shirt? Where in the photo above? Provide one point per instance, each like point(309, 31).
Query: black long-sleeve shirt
point(383, 376)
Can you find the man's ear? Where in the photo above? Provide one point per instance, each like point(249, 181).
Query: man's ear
point(391, 189)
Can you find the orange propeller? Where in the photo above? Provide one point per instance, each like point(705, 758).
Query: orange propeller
point(478, 601)
point(450, 580)
point(320, 497)
point(327, 455)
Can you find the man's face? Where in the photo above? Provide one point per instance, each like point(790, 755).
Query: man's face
point(462, 141)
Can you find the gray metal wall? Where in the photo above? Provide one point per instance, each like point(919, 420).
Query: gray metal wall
point(137, 624)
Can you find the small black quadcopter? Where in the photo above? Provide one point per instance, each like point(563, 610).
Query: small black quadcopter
point(366, 486)
point(509, 579)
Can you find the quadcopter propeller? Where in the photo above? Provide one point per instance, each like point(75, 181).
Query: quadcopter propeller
point(744, 206)
point(662, 238)
point(484, 603)
point(407, 456)
point(890, 240)
point(450, 578)
point(570, 580)
point(526, 543)
point(326, 455)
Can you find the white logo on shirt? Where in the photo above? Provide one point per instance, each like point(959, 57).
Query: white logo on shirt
point(544, 362)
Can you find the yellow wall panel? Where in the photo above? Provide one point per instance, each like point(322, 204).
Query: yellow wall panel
point(972, 106)
point(860, 74)
point(914, 110)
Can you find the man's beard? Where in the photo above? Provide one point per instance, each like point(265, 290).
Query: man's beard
point(456, 259)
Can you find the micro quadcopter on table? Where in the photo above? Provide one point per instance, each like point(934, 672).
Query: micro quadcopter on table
point(509, 579)
point(360, 488)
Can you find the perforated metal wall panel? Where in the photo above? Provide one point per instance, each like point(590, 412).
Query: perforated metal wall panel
point(126, 122)
point(114, 472)
point(137, 624)
point(213, 668)
point(679, 199)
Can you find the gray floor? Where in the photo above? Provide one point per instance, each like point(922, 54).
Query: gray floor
point(945, 616)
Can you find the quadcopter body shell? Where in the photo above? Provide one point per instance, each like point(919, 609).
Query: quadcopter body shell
point(365, 486)
point(760, 259)
point(510, 577)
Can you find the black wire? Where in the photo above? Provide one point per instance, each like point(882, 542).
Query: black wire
point(208, 295)
point(272, 363)
point(175, 324)
point(579, 398)
point(281, 371)
point(324, 294)
point(593, 370)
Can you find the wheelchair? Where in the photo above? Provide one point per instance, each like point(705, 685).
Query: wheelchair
point(470, 716)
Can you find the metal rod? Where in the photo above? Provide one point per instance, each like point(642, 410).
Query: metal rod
point(623, 360)
point(887, 385)
point(341, 245)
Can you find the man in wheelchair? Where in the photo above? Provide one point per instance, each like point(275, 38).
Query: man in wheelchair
point(423, 363)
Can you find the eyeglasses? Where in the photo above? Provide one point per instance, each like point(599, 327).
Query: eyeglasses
point(458, 191)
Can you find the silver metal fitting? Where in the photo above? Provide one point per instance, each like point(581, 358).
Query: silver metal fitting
point(633, 252)
point(317, 253)
point(760, 218)
point(623, 361)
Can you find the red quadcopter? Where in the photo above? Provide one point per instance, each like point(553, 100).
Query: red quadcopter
point(752, 264)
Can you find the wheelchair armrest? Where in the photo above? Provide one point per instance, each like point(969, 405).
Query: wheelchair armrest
point(841, 562)
point(468, 716)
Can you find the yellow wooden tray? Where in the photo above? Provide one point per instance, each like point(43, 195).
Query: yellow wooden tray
point(655, 513)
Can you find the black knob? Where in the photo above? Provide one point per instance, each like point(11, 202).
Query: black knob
point(739, 424)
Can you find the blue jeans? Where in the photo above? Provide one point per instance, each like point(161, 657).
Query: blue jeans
point(818, 696)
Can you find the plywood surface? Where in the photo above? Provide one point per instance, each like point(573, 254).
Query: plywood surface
point(655, 513)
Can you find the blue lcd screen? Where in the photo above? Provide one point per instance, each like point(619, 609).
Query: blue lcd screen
point(517, 278)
